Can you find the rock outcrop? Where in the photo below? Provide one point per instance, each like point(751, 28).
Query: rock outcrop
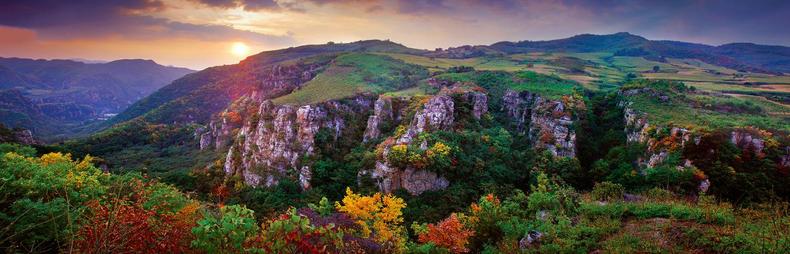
point(17, 135)
point(218, 134)
point(756, 141)
point(517, 106)
point(383, 113)
point(747, 140)
point(659, 145)
point(276, 142)
point(549, 122)
point(551, 128)
point(479, 102)
point(436, 114)
point(636, 125)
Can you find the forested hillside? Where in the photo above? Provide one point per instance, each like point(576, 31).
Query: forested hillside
point(58, 97)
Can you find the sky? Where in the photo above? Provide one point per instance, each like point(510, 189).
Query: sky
point(203, 33)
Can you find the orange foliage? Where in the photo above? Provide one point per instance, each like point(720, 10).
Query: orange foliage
point(448, 233)
point(125, 225)
point(233, 117)
point(220, 192)
point(120, 227)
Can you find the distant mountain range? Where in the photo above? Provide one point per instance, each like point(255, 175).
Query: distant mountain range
point(738, 56)
point(53, 97)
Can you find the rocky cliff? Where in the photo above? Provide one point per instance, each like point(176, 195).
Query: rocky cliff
point(277, 140)
point(218, 134)
point(435, 114)
point(17, 135)
point(659, 142)
point(549, 122)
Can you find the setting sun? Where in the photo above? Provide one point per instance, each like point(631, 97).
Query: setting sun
point(240, 49)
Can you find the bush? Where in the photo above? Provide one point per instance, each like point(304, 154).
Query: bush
point(658, 194)
point(607, 191)
point(226, 232)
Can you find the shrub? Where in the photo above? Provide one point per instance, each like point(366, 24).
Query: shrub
point(448, 233)
point(658, 194)
point(378, 215)
point(607, 191)
point(226, 232)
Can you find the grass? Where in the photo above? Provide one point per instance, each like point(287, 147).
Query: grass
point(421, 89)
point(549, 86)
point(355, 73)
point(706, 112)
point(479, 63)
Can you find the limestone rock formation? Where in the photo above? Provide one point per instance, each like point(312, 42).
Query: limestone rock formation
point(479, 102)
point(275, 143)
point(516, 106)
point(550, 128)
point(548, 122)
point(382, 113)
point(744, 139)
point(218, 134)
point(435, 114)
point(639, 130)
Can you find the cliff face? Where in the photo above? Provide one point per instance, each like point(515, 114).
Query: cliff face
point(276, 141)
point(218, 134)
point(659, 145)
point(21, 136)
point(549, 122)
point(436, 114)
point(756, 141)
point(661, 141)
point(384, 113)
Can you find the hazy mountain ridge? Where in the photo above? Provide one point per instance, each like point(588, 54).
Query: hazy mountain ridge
point(71, 93)
point(739, 56)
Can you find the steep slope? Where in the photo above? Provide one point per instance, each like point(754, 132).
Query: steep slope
point(277, 72)
point(17, 111)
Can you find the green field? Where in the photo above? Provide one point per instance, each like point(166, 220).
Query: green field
point(356, 73)
point(399, 74)
point(702, 111)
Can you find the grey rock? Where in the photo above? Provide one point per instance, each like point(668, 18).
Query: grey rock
point(531, 239)
point(436, 114)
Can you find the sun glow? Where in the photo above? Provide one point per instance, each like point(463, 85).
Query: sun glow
point(239, 49)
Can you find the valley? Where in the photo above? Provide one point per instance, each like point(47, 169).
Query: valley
point(58, 99)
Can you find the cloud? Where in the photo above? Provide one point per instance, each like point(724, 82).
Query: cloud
point(53, 13)
point(271, 24)
point(251, 5)
point(56, 19)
